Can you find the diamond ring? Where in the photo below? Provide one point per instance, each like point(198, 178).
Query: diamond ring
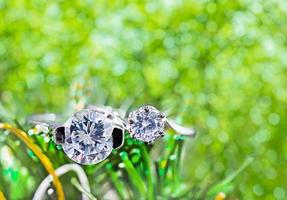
point(147, 124)
point(88, 136)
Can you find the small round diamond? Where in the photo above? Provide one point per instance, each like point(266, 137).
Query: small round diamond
point(146, 124)
point(88, 137)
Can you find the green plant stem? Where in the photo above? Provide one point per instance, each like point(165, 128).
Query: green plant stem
point(75, 182)
point(119, 186)
point(148, 173)
point(133, 175)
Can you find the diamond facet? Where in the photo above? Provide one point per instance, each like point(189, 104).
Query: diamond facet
point(146, 124)
point(88, 137)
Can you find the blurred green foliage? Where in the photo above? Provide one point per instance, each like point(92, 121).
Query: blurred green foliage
point(218, 65)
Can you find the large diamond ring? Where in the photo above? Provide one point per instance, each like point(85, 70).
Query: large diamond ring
point(147, 124)
point(88, 136)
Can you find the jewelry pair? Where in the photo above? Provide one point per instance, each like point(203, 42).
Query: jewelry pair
point(89, 135)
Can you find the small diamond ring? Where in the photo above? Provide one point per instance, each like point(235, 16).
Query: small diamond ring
point(88, 136)
point(147, 124)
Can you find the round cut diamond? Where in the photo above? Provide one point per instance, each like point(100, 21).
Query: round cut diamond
point(88, 137)
point(146, 124)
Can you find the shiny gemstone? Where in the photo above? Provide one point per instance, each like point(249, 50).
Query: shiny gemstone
point(88, 137)
point(146, 124)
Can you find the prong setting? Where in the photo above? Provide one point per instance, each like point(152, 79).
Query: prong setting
point(146, 124)
point(146, 109)
point(161, 115)
point(110, 116)
point(162, 133)
point(88, 137)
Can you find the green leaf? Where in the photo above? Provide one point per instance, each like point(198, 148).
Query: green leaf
point(226, 184)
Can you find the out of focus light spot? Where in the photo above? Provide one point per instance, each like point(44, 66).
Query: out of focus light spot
point(169, 42)
point(53, 10)
point(172, 157)
point(271, 173)
point(17, 142)
point(220, 196)
point(2, 49)
point(170, 3)
point(159, 34)
point(256, 116)
point(34, 80)
point(6, 95)
point(119, 68)
point(258, 190)
point(281, 94)
point(260, 137)
point(210, 72)
point(271, 154)
point(267, 101)
point(256, 7)
point(238, 25)
point(211, 122)
point(121, 165)
point(206, 140)
point(24, 171)
point(48, 59)
point(211, 26)
point(6, 157)
point(223, 137)
point(201, 171)
point(202, 98)
point(31, 132)
point(269, 46)
point(150, 7)
point(274, 118)
point(167, 71)
point(279, 193)
point(211, 7)
point(52, 79)
point(50, 191)
point(31, 183)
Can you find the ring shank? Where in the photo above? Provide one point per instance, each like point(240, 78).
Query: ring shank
point(48, 119)
point(181, 129)
point(43, 117)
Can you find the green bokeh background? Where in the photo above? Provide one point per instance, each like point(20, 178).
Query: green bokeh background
point(218, 65)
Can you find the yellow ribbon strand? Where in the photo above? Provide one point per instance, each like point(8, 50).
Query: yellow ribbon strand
point(2, 197)
point(38, 152)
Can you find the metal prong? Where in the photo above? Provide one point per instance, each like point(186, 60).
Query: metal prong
point(146, 109)
point(162, 133)
point(132, 135)
point(110, 116)
point(161, 115)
